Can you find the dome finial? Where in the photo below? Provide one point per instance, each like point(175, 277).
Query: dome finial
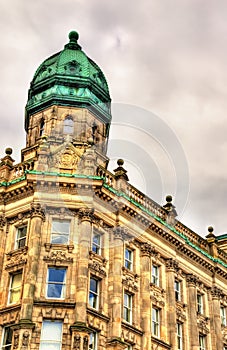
point(73, 45)
point(73, 36)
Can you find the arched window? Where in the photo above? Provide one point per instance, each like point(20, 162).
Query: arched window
point(68, 125)
point(41, 129)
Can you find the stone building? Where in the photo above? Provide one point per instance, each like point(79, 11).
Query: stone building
point(87, 261)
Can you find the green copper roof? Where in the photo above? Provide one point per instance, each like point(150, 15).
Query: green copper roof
point(69, 78)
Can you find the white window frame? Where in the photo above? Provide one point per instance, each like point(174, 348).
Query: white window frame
point(200, 303)
point(155, 322)
point(155, 274)
point(127, 307)
point(223, 316)
point(60, 234)
point(63, 283)
point(177, 289)
point(4, 338)
point(202, 342)
point(53, 342)
point(96, 246)
point(179, 336)
point(19, 239)
point(94, 301)
point(93, 341)
point(12, 289)
point(128, 258)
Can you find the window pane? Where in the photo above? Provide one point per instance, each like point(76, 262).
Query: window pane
point(56, 283)
point(93, 285)
point(7, 338)
point(51, 335)
point(56, 275)
point(60, 231)
point(68, 125)
point(15, 288)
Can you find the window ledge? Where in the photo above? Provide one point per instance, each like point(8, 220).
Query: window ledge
point(22, 250)
point(98, 314)
point(55, 246)
point(131, 327)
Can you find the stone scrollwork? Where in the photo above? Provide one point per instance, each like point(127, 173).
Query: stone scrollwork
point(97, 267)
point(147, 249)
point(58, 256)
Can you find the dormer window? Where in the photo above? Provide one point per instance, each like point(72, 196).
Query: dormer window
point(68, 125)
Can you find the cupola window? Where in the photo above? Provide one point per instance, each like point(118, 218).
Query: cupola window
point(68, 125)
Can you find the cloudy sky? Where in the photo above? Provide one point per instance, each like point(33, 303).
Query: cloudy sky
point(165, 61)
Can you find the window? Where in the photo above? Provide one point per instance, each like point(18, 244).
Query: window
point(21, 237)
point(179, 336)
point(96, 243)
point(177, 290)
point(15, 288)
point(60, 231)
point(94, 293)
point(199, 303)
point(51, 335)
point(128, 258)
point(93, 340)
point(68, 125)
point(155, 275)
point(41, 129)
point(155, 322)
point(56, 283)
point(7, 338)
point(223, 316)
point(127, 314)
point(202, 342)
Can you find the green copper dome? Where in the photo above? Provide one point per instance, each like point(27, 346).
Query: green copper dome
point(69, 78)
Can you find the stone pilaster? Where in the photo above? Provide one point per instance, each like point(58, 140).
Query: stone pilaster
point(145, 272)
point(85, 232)
point(192, 311)
point(30, 273)
point(2, 239)
point(216, 320)
point(171, 266)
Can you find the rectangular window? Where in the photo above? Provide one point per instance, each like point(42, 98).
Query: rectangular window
point(60, 231)
point(93, 341)
point(96, 243)
point(7, 338)
point(56, 283)
point(177, 289)
point(128, 258)
point(179, 336)
point(94, 293)
point(20, 237)
point(155, 322)
point(51, 335)
point(155, 275)
point(15, 288)
point(127, 313)
point(223, 316)
point(199, 303)
point(202, 342)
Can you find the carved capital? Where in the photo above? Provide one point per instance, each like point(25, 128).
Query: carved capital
point(86, 214)
point(191, 279)
point(120, 232)
point(147, 249)
point(2, 221)
point(37, 211)
point(172, 265)
point(216, 292)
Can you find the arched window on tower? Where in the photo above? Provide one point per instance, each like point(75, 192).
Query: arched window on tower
point(41, 129)
point(68, 125)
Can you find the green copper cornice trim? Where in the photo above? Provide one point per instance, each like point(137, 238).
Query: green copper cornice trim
point(6, 184)
point(53, 173)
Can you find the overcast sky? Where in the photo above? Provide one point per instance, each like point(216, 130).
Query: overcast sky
point(164, 59)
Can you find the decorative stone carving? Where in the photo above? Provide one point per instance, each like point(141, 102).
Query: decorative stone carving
point(37, 210)
point(58, 256)
point(191, 279)
point(2, 221)
point(16, 340)
point(86, 214)
point(216, 292)
point(85, 343)
point(157, 296)
point(25, 339)
point(95, 266)
point(172, 264)
point(76, 342)
point(130, 282)
point(148, 249)
point(203, 324)
point(120, 232)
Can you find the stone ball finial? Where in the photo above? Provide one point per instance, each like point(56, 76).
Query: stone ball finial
point(120, 162)
point(8, 151)
point(73, 36)
point(169, 199)
point(210, 229)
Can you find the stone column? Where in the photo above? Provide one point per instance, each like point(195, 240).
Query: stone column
point(115, 278)
point(145, 273)
point(2, 241)
point(192, 312)
point(171, 266)
point(80, 331)
point(216, 319)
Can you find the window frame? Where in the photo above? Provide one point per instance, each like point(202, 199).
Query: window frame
point(155, 276)
point(95, 341)
point(52, 341)
point(128, 261)
point(58, 233)
point(19, 239)
point(155, 322)
point(202, 342)
point(94, 300)
point(200, 304)
point(177, 290)
point(223, 316)
point(96, 247)
point(127, 307)
point(49, 283)
point(12, 289)
point(179, 336)
point(5, 345)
